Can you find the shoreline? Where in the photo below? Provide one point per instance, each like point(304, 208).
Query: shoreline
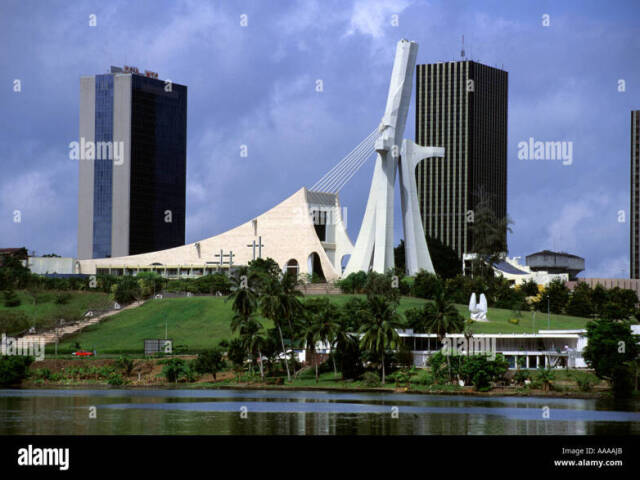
point(468, 391)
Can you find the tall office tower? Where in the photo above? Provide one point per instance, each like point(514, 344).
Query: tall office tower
point(461, 106)
point(132, 173)
point(635, 195)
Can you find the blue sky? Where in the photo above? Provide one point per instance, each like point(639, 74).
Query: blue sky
point(255, 86)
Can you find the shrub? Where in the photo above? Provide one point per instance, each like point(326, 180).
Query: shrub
point(14, 369)
point(125, 364)
point(402, 378)
point(176, 369)
point(585, 382)
point(62, 298)
point(371, 379)
point(126, 290)
point(426, 285)
point(423, 377)
point(13, 322)
point(115, 379)
point(520, 376)
point(353, 283)
point(210, 361)
point(11, 299)
point(544, 377)
point(42, 373)
point(172, 369)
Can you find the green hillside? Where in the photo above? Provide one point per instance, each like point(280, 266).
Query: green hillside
point(201, 322)
point(42, 309)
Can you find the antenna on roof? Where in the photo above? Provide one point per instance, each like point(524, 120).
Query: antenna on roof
point(462, 50)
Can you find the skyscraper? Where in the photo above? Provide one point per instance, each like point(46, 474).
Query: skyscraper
point(132, 164)
point(461, 106)
point(634, 243)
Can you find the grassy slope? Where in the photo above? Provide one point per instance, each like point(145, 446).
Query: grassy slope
point(46, 310)
point(201, 322)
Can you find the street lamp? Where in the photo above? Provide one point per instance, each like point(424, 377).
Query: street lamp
point(548, 318)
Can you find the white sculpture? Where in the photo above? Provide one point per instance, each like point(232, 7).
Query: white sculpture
point(374, 246)
point(478, 311)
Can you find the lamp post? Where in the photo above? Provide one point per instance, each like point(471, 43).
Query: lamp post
point(548, 317)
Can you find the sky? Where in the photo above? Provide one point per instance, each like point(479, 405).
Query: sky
point(251, 68)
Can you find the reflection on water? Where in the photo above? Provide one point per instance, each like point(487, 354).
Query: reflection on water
point(220, 412)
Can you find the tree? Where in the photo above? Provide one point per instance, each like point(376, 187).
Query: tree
point(236, 352)
point(383, 284)
point(558, 297)
point(610, 350)
point(489, 235)
point(529, 288)
point(325, 315)
point(210, 361)
point(399, 257)
point(598, 298)
point(173, 369)
point(14, 368)
point(579, 303)
point(149, 283)
point(244, 293)
point(442, 317)
point(426, 285)
point(11, 299)
point(126, 290)
point(545, 376)
point(13, 274)
point(625, 299)
point(446, 261)
point(279, 303)
point(379, 328)
point(353, 283)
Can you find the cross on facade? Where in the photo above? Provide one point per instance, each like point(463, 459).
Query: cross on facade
point(222, 256)
point(259, 245)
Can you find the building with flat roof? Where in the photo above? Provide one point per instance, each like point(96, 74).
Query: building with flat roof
point(461, 106)
point(132, 164)
point(556, 262)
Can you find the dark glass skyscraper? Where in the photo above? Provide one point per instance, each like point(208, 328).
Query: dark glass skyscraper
point(634, 254)
point(461, 106)
point(132, 186)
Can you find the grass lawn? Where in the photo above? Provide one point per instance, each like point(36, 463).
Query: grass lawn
point(201, 322)
point(45, 311)
point(195, 322)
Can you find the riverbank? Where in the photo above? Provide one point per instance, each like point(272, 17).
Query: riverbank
point(147, 373)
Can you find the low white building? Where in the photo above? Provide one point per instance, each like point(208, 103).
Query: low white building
point(50, 265)
point(547, 348)
point(513, 270)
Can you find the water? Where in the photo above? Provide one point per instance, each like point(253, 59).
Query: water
point(271, 412)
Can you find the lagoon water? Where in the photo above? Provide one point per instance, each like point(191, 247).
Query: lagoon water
point(279, 412)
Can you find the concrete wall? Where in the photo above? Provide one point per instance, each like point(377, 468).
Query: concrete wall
point(42, 265)
point(121, 173)
point(86, 168)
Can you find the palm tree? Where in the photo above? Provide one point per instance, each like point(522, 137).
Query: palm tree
point(254, 339)
point(279, 302)
point(442, 317)
point(310, 335)
point(379, 327)
point(244, 293)
point(328, 328)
